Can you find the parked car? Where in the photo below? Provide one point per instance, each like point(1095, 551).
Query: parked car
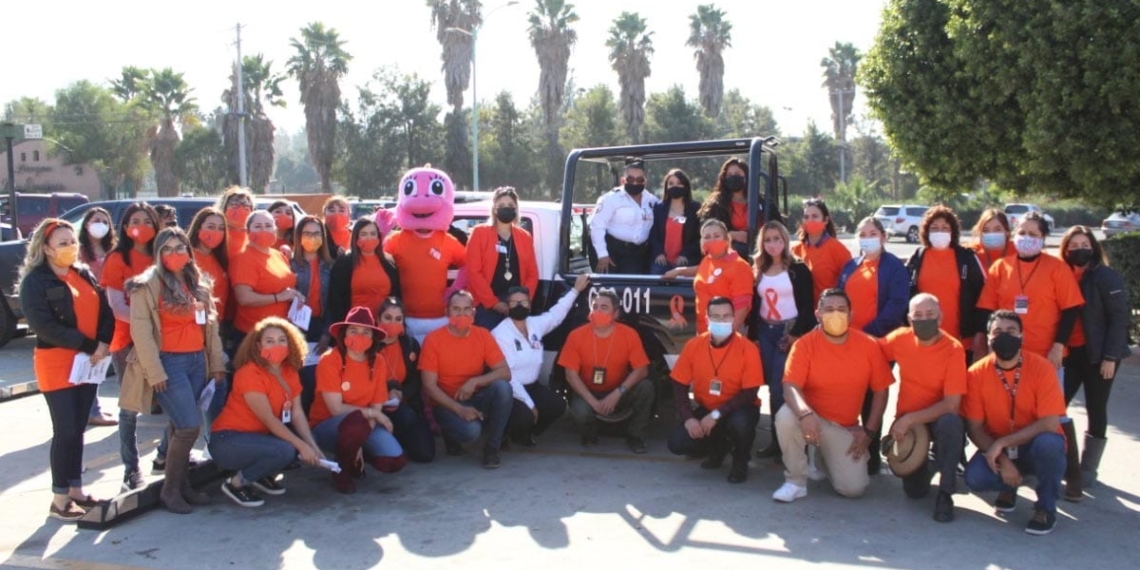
point(1120, 222)
point(32, 208)
point(1013, 212)
point(184, 208)
point(8, 233)
point(901, 220)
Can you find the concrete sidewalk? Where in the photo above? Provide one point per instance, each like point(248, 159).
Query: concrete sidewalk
point(559, 507)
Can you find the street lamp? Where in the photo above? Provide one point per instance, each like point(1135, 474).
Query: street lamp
point(842, 132)
point(473, 33)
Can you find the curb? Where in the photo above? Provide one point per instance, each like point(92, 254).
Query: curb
point(19, 390)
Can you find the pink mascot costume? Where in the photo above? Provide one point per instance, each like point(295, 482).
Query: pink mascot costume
point(423, 250)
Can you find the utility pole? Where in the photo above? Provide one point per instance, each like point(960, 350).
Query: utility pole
point(243, 178)
point(475, 112)
point(842, 116)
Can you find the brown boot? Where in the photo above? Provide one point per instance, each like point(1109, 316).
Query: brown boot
point(351, 434)
point(177, 470)
point(1073, 492)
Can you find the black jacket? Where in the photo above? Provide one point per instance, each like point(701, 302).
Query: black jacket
point(50, 311)
point(971, 277)
point(804, 290)
point(1105, 315)
point(412, 387)
point(340, 286)
point(690, 233)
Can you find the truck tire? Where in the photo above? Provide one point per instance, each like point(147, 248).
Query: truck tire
point(7, 326)
point(912, 235)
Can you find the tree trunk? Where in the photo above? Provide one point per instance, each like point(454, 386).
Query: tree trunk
point(162, 158)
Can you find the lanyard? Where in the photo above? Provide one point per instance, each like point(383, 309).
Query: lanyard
point(609, 349)
point(1021, 281)
point(1012, 391)
point(716, 365)
point(284, 385)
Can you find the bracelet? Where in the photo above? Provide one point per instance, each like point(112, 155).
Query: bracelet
point(806, 414)
point(275, 297)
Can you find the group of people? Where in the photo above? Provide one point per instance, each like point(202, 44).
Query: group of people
point(283, 340)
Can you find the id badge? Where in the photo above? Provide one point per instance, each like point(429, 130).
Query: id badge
point(501, 249)
point(1011, 452)
point(714, 388)
point(200, 314)
point(599, 375)
point(287, 413)
point(1021, 305)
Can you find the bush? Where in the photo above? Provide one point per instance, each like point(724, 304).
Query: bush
point(1123, 252)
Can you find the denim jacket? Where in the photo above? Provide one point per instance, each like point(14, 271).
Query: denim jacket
point(303, 271)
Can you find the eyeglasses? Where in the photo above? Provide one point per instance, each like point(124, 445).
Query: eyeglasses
point(316, 234)
point(176, 249)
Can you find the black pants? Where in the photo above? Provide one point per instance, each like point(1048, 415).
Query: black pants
point(876, 460)
point(628, 258)
point(946, 441)
point(550, 406)
point(738, 428)
point(69, 409)
point(1080, 372)
point(413, 433)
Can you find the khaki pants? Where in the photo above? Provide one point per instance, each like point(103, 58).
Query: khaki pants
point(848, 477)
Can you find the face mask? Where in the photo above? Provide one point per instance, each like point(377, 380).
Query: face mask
point(211, 238)
point(275, 354)
point(1005, 346)
point(734, 183)
point(312, 244)
point(674, 192)
point(357, 342)
point(174, 262)
point(65, 256)
point(262, 238)
point(283, 221)
point(925, 329)
point(634, 189)
point(391, 330)
point(336, 222)
point(716, 247)
point(1028, 246)
point(835, 323)
point(518, 312)
point(368, 245)
point(871, 245)
point(506, 214)
point(237, 215)
point(461, 323)
point(939, 240)
point(1079, 257)
point(141, 234)
point(98, 230)
point(993, 240)
point(720, 331)
point(774, 248)
point(600, 319)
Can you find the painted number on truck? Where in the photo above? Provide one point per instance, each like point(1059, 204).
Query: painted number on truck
point(633, 299)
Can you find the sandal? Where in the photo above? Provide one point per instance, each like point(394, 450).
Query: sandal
point(69, 513)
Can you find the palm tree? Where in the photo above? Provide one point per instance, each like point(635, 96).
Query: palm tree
point(318, 64)
point(552, 38)
point(839, 78)
point(630, 47)
point(262, 87)
point(167, 95)
point(710, 33)
point(129, 84)
point(447, 16)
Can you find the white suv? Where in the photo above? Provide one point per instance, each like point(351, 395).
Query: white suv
point(1015, 211)
point(902, 220)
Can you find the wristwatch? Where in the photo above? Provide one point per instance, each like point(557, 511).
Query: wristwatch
point(715, 415)
point(621, 390)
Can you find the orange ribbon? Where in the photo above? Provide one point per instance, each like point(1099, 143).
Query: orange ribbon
point(772, 298)
point(677, 307)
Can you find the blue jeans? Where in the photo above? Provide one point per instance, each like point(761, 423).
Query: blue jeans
point(494, 402)
point(413, 434)
point(128, 420)
point(380, 443)
point(1043, 457)
point(221, 392)
point(185, 380)
point(656, 269)
point(773, 360)
point(487, 318)
point(253, 455)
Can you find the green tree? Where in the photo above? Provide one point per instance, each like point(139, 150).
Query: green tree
point(592, 121)
point(509, 156)
point(553, 38)
point(671, 117)
point(27, 110)
point(810, 162)
point(448, 17)
point(630, 47)
point(839, 69)
point(92, 126)
point(200, 161)
point(129, 85)
point(710, 33)
point(741, 118)
point(318, 64)
point(262, 87)
point(166, 94)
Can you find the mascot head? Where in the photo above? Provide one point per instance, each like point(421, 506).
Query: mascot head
point(426, 200)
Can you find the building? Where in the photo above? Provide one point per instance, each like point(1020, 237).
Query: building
point(39, 172)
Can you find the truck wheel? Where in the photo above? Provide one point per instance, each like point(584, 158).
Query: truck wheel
point(912, 235)
point(7, 326)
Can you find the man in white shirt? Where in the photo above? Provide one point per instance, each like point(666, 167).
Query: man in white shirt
point(535, 406)
point(622, 220)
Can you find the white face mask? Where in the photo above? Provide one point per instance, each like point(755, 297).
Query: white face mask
point(939, 240)
point(98, 230)
point(871, 245)
point(720, 331)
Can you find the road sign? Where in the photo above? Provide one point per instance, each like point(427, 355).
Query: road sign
point(33, 131)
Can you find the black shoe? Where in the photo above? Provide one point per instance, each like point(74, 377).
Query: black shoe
point(132, 481)
point(453, 448)
point(715, 459)
point(490, 458)
point(158, 467)
point(1042, 523)
point(944, 507)
point(875, 463)
point(269, 486)
point(1006, 502)
point(636, 445)
point(504, 445)
point(243, 496)
point(917, 485)
point(738, 473)
point(528, 441)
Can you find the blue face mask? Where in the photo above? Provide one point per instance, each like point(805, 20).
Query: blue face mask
point(870, 245)
point(993, 240)
point(720, 331)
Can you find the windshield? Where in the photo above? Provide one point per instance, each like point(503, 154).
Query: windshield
point(1016, 209)
point(887, 211)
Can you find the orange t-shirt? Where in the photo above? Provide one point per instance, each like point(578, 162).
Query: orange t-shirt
point(620, 353)
point(988, 257)
point(358, 384)
point(236, 240)
point(729, 276)
point(739, 216)
point(393, 355)
point(459, 359)
point(736, 365)
point(863, 289)
point(251, 378)
point(1038, 394)
point(180, 331)
point(1047, 282)
point(370, 284)
point(267, 274)
point(313, 295)
point(834, 377)
point(423, 263)
point(1077, 338)
point(209, 265)
point(939, 277)
point(825, 261)
point(53, 365)
point(927, 374)
point(115, 276)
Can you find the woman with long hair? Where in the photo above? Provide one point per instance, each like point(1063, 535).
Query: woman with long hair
point(991, 237)
point(361, 277)
point(264, 284)
point(312, 263)
point(263, 428)
point(133, 254)
point(401, 352)
point(675, 239)
point(785, 312)
point(236, 203)
point(500, 256)
point(174, 324)
point(336, 213)
point(282, 214)
point(63, 303)
point(819, 246)
point(96, 240)
point(728, 203)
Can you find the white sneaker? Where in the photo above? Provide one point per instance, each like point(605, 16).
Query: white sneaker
point(789, 492)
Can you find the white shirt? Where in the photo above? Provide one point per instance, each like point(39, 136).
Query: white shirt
point(776, 292)
point(620, 216)
point(524, 353)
